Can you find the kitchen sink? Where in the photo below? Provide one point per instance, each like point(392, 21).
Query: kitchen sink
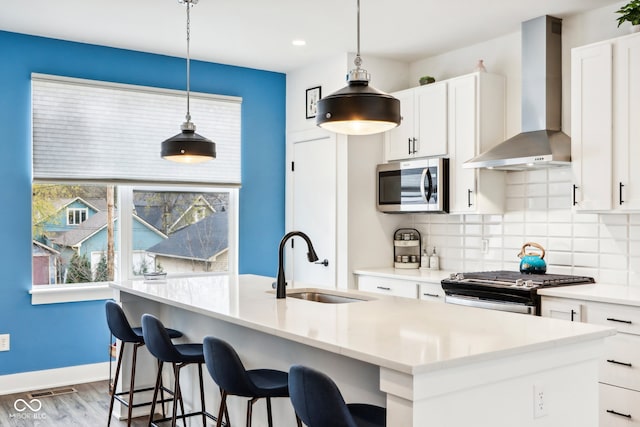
point(323, 297)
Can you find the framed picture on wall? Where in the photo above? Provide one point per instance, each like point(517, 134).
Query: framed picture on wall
point(313, 96)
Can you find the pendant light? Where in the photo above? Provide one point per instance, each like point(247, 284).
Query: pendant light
point(188, 146)
point(358, 109)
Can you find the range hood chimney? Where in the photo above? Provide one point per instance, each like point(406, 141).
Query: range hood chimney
point(541, 144)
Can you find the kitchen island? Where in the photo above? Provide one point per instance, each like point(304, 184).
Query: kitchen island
point(430, 364)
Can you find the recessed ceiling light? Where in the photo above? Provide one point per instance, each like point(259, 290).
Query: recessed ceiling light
point(298, 42)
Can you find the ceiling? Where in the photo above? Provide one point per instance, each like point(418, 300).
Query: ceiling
point(258, 33)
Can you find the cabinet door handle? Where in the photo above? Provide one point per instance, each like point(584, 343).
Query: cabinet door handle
point(611, 319)
point(619, 363)
point(575, 187)
point(468, 198)
point(620, 194)
point(409, 145)
point(431, 295)
point(384, 288)
point(573, 313)
point(611, 411)
point(414, 146)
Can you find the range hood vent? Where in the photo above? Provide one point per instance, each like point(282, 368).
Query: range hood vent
point(541, 144)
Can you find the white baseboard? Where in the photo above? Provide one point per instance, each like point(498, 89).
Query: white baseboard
point(52, 378)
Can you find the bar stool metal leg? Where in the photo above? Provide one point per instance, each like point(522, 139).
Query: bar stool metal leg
point(132, 381)
point(269, 417)
point(155, 393)
point(115, 383)
point(250, 410)
point(204, 417)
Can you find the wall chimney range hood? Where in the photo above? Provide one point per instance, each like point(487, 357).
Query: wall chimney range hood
point(541, 144)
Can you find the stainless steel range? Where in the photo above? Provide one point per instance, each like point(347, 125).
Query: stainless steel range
point(504, 290)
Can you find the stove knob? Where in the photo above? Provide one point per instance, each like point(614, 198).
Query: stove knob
point(460, 276)
point(529, 283)
point(452, 276)
point(519, 282)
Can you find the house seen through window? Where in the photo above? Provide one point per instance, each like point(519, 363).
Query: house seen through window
point(76, 232)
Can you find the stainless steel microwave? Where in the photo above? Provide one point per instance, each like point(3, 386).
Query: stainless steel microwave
point(413, 186)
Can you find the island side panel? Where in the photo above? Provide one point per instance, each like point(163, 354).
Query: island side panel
point(501, 392)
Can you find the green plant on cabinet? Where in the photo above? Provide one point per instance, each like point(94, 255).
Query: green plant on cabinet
point(629, 12)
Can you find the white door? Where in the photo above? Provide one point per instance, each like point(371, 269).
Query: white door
point(591, 127)
point(431, 120)
point(313, 181)
point(399, 141)
point(463, 134)
point(626, 151)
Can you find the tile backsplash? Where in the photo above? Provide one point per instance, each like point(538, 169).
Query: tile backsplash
point(538, 209)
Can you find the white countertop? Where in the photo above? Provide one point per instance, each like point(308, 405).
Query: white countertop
point(599, 292)
point(418, 274)
point(403, 334)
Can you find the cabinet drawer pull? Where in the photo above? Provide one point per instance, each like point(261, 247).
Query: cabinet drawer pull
point(620, 195)
point(384, 288)
point(611, 319)
point(611, 411)
point(619, 363)
point(431, 295)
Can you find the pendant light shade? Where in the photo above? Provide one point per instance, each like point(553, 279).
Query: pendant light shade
point(188, 146)
point(358, 109)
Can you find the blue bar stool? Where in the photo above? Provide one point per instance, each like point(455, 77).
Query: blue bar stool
point(226, 369)
point(180, 355)
point(319, 403)
point(122, 330)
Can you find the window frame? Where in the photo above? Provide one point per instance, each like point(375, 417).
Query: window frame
point(80, 210)
point(61, 293)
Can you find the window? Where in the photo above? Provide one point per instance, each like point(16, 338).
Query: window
point(65, 249)
point(76, 216)
point(162, 217)
point(175, 231)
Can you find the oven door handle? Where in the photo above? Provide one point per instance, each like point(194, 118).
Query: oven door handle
point(492, 305)
point(423, 193)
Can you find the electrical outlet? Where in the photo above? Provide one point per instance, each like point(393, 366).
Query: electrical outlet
point(484, 246)
point(539, 401)
point(4, 342)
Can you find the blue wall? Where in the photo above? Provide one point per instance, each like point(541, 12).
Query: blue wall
point(59, 335)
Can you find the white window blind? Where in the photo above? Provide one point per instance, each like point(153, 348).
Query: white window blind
point(89, 130)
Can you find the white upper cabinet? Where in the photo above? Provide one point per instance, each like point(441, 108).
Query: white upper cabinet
point(457, 118)
point(626, 148)
point(476, 122)
point(591, 130)
point(423, 130)
point(605, 131)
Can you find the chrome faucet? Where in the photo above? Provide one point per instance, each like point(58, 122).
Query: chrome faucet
point(311, 256)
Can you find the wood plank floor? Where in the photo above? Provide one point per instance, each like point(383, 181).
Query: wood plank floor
point(85, 408)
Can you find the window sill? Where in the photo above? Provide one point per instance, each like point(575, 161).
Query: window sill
point(53, 294)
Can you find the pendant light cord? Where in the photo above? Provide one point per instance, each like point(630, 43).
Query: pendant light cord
point(188, 3)
point(358, 61)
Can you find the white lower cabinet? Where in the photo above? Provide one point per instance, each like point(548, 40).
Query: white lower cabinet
point(383, 285)
point(619, 373)
point(431, 292)
point(621, 364)
point(408, 288)
point(619, 407)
